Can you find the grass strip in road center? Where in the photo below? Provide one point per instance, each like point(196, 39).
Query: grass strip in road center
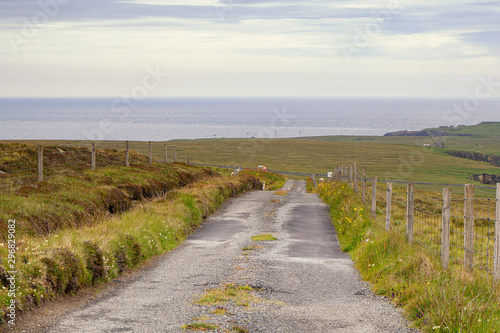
point(263, 238)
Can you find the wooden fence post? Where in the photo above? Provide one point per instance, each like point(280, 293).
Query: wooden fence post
point(93, 156)
point(410, 211)
point(127, 154)
point(374, 197)
point(355, 176)
point(165, 152)
point(40, 163)
point(175, 153)
point(363, 191)
point(187, 159)
point(388, 207)
point(351, 175)
point(497, 236)
point(469, 227)
point(150, 153)
point(445, 229)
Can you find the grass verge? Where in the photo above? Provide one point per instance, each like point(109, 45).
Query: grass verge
point(435, 300)
point(79, 199)
point(274, 181)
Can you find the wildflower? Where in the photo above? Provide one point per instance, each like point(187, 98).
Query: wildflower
point(436, 327)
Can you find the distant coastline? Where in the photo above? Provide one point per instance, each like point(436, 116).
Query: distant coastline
point(162, 119)
point(445, 130)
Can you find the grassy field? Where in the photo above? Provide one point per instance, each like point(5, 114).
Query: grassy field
point(386, 161)
point(485, 138)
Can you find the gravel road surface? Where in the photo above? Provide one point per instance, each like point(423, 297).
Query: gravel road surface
point(301, 282)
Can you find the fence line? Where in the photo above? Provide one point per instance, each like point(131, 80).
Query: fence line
point(460, 228)
point(23, 164)
point(40, 163)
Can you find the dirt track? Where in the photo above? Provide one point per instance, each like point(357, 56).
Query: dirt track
point(302, 282)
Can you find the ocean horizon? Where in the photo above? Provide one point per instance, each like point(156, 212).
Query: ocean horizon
point(162, 119)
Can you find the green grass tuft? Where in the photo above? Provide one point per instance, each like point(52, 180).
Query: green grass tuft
point(200, 327)
point(240, 295)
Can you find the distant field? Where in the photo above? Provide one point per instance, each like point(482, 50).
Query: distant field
point(386, 161)
point(485, 139)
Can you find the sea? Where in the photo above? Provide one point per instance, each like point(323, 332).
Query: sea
point(162, 119)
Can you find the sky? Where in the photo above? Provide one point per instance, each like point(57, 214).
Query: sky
point(174, 48)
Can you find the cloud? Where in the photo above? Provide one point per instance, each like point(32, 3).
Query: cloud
point(219, 37)
point(233, 11)
point(485, 39)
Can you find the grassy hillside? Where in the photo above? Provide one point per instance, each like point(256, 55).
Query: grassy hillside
point(485, 139)
point(80, 227)
point(484, 129)
point(73, 196)
point(72, 258)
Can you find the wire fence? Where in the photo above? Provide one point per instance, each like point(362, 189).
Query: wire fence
point(24, 164)
point(460, 228)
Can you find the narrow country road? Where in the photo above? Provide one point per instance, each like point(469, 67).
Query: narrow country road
point(301, 282)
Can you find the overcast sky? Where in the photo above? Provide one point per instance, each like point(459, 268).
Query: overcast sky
point(248, 47)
